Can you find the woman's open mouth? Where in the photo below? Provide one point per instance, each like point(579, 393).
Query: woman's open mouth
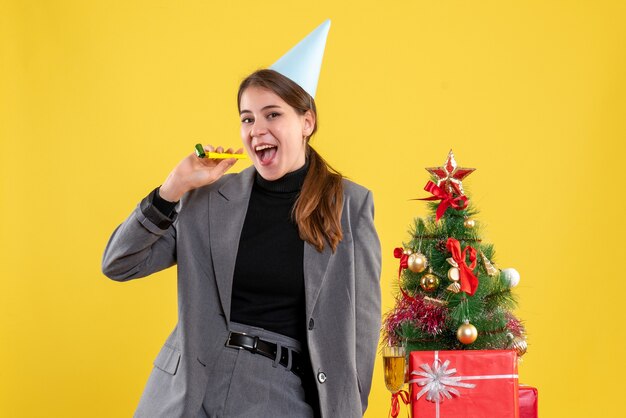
point(265, 153)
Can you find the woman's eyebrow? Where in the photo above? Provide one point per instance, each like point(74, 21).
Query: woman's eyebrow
point(264, 108)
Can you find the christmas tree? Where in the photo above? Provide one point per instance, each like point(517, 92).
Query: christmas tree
point(451, 294)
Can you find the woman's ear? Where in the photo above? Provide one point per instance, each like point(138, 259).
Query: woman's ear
point(309, 123)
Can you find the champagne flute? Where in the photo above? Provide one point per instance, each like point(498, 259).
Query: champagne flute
point(394, 364)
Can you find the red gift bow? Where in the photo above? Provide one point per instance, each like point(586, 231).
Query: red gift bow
point(447, 200)
point(404, 259)
point(395, 403)
point(469, 282)
point(404, 263)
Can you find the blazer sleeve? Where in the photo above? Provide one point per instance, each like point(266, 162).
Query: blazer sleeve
point(367, 258)
point(143, 244)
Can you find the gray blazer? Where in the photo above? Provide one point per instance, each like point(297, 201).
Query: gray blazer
point(342, 293)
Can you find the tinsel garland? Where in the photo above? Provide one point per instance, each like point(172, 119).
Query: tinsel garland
point(427, 317)
point(514, 325)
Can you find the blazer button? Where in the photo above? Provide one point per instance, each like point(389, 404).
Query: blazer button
point(311, 324)
point(321, 377)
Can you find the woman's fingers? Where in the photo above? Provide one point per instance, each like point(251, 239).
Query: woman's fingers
point(216, 168)
point(193, 172)
point(220, 169)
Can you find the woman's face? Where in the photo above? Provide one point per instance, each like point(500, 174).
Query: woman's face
point(273, 133)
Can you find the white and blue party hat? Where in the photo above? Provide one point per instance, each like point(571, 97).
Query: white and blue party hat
point(302, 63)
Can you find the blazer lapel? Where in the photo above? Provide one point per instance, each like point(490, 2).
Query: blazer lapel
point(227, 212)
point(315, 265)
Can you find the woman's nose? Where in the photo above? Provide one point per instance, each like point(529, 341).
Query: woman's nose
point(259, 128)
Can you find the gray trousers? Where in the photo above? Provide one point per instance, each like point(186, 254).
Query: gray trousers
point(244, 385)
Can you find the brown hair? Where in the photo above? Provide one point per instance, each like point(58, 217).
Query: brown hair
point(317, 211)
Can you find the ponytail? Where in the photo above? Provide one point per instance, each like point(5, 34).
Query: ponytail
point(318, 209)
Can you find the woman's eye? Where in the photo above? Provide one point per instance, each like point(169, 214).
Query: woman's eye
point(273, 115)
point(246, 120)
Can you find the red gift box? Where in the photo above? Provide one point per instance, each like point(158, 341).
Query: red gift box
point(464, 383)
point(528, 400)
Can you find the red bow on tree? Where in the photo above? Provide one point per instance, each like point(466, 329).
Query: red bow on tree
point(468, 280)
point(447, 199)
point(404, 263)
point(404, 259)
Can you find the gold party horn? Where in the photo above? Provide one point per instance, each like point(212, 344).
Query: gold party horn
point(201, 153)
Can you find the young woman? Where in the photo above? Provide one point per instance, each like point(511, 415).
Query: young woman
point(278, 273)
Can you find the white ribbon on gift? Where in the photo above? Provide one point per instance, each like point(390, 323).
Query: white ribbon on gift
point(437, 381)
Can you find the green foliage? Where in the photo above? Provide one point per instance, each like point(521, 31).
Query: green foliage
point(489, 309)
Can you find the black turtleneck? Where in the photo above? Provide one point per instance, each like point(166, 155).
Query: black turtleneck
point(268, 285)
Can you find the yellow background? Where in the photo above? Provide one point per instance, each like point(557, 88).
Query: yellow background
point(100, 99)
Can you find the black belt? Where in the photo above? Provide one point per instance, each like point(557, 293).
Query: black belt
point(267, 349)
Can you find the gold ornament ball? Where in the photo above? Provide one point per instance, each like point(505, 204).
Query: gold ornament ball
point(467, 333)
point(520, 345)
point(417, 262)
point(429, 282)
point(469, 223)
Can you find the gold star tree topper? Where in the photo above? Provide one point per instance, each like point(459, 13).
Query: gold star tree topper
point(451, 175)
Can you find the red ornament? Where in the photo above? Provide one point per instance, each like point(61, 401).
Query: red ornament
point(451, 175)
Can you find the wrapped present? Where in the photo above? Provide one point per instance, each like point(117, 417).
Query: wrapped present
point(464, 383)
point(528, 401)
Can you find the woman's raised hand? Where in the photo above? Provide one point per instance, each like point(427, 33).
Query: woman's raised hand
point(193, 172)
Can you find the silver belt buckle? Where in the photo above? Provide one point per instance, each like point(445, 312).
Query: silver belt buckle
point(229, 345)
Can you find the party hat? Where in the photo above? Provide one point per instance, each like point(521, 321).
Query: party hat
point(302, 63)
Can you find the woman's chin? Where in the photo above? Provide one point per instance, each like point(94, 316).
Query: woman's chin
point(269, 173)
